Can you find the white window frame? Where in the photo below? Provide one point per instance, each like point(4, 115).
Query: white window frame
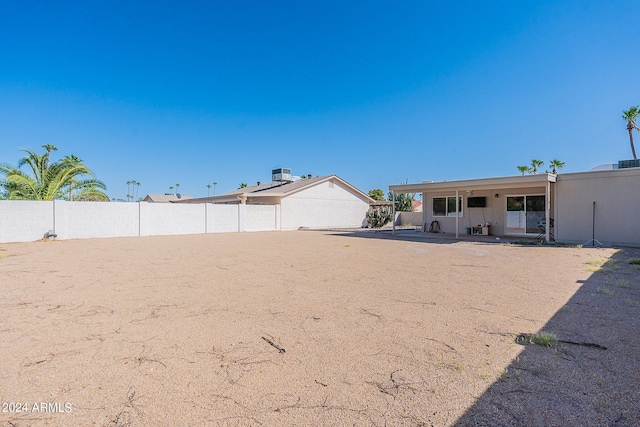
point(447, 213)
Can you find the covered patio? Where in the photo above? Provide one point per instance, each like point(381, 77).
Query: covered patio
point(513, 207)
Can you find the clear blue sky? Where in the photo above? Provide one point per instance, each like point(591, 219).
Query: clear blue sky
point(193, 92)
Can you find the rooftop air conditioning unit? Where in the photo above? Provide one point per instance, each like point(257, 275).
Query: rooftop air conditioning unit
point(624, 164)
point(281, 175)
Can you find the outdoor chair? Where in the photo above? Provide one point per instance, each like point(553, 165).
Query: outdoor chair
point(542, 226)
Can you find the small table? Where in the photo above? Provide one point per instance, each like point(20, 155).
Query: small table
point(480, 231)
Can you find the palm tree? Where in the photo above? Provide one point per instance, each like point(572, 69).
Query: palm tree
point(51, 180)
point(242, 185)
point(214, 187)
point(556, 164)
point(129, 190)
point(137, 188)
point(208, 188)
point(524, 169)
point(535, 164)
point(177, 185)
point(631, 115)
point(49, 148)
point(171, 188)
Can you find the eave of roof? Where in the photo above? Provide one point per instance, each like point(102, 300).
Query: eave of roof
point(277, 190)
point(492, 183)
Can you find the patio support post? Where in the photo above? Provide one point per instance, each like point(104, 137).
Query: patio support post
point(457, 213)
point(393, 215)
point(547, 209)
point(424, 213)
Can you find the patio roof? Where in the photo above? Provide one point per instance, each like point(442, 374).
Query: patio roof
point(489, 183)
point(524, 181)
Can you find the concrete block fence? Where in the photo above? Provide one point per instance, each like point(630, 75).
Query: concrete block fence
point(24, 221)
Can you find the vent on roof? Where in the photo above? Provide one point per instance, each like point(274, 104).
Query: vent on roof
point(624, 164)
point(281, 175)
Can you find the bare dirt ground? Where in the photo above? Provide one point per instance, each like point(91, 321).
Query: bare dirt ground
point(316, 328)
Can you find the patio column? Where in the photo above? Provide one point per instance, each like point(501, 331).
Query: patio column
point(393, 215)
point(424, 212)
point(457, 213)
point(547, 206)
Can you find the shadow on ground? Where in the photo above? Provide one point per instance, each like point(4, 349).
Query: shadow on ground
point(410, 235)
point(576, 382)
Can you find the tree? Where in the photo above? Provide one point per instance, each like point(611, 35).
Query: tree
point(177, 185)
point(524, 169)
point(376, 194)
point(137, 184)
point(631, 115)
point(67, 179)
point(535, 164)
point(214, 187)
point(556, 164)
point(404, 201)
point(171, 189)
point(129, 190)
point(242, 185)
point(208, 188)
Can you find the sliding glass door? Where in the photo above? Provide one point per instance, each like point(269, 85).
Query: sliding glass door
point(524, 214)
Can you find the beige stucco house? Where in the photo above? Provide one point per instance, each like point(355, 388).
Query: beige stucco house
point(164, 198)
point(314, 202)
point(601, 205)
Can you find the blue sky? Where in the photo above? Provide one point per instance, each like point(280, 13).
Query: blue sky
point(193, 92)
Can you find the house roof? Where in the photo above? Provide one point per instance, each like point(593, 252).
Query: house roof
point(165, 198)
point(493, 183)
point(276, 189)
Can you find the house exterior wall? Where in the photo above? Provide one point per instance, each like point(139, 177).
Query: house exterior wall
point(494, 212)
point(24, 221)
point(326, 205)
point(617, 210)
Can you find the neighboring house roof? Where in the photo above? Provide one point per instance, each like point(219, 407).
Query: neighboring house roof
point(165, 198)
point(417, 205)
point(276, 189)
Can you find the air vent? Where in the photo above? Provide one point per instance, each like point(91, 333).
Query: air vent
point(281, 175)
point(624, 164)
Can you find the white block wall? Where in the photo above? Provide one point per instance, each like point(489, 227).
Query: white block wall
point(409, 218)
point(222, 218)
point(261, 218)
point(158, 219)
point(82, 220)
point(24, 221)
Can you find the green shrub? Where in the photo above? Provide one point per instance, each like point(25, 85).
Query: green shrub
point(377, 218)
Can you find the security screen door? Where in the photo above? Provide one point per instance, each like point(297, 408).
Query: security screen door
point(524, 214)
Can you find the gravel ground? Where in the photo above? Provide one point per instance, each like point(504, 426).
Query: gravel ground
point(316, 328)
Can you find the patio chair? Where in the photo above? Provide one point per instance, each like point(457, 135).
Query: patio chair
point(542, 226)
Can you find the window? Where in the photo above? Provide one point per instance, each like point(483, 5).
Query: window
point(524, 213)
point(446, 206)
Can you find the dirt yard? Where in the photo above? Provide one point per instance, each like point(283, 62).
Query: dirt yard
point(316, 328)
